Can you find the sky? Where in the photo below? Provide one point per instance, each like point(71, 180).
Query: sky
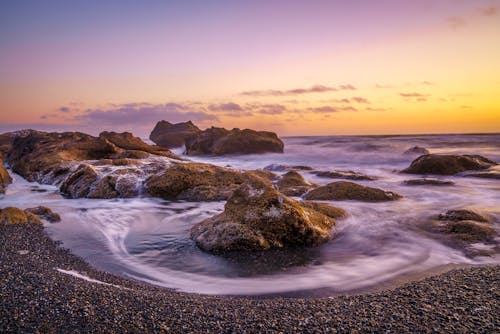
point(294, 67)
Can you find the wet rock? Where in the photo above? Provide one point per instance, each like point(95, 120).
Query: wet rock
point(468, 231)
point(219, 141)
point(128, 142)
point(11, 215)
point(260, 219)
point(457, 215)
point(344, 174)
point(326, 209)
point(5, 178)
point(448, 164)
point(293, 184)
point(284, 168)
point(199, 182)
point(171, 135)
point(493, 175)
point(78, 184)
point(267, 175)
point(343, 190)
point(428, 182)
point(416, 150)
point(45, 213)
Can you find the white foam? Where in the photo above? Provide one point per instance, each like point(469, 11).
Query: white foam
point(76, 274)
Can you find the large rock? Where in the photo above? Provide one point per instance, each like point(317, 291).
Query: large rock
point(79, 182)
point(293, 184)
point(260, 219)
point(342, 190)
point(200, 182)
point(127, 141)
point(326, 209)
point(45, 213)
point(219, 141)
point(5, 178)
point(458, 215)
point(448, 164)
point(11, 215)
point(171, 135)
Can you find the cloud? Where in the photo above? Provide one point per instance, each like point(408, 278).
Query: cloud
point(417, 95)
point(358, 99)
point(230, 106)
point(297, 91)
point(272, 109)
point(331, 109)
point(64, 109)
point(488, 11)
point(456, 21)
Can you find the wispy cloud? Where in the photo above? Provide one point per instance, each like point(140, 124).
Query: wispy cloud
point(331, 109)
point(417, 95)
point(488, 11)
point(298, 91)
point(456, 21)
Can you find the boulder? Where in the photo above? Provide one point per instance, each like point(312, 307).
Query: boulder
point(219, 141)
point(79, 182)
point(428, 182)
point(344, 174)
point(11, 215)
point(128, 142)
point(171, 135)
point(447, 164)
point(293, 184)
point(457, 215)
point(5, 178)
point(416, 150)
point(260, 219)
point(326, 209)
point(467, 231)
point(343, 190)
point(45, 213)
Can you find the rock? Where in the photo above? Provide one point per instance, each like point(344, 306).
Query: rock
point(260, 219)
point(45, 213)
point(344, 174)
point(171, 135)
point(128, 142)
point(493, 175)
point(428, 182)
point(457, 215)
point(199, 182)
point(79, 182)
point(326, 209)
point(219, 141)
point(343, 190)
point(11, 215)
point(267, 175)
point(284, 168)
point(467, 231)
point(416, 150)
point(293, 184)
point(5, 178)
point(448, 164)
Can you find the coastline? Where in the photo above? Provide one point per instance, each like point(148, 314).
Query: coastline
point(38, 294)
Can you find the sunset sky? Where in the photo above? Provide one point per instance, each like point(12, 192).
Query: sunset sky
point(294, 67)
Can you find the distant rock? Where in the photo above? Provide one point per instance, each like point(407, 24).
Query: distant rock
point(260, 219)
point(344, 174)
point(416, 150)
point(219, 141)
point(428, 182)
point(448, 164)
point(294, 184)
point(5, 178)
point(45, 213)
point(11, 215)
point(171, 135)
point(343, 190)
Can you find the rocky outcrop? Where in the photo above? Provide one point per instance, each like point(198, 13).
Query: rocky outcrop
point(428, 182)
point(343, 190)
point(79, 182)
point(448, 164)
point(11, 215)
point(133, 145)
point(260, 219)
point(219, 141)
point(171, 135)
point(344, 174)
point(416, 150)
point(293, 184)
point(45, 213)
point(326, 209)
point(5, 178)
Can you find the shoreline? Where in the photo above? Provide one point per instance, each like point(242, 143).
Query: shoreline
point(37, 294)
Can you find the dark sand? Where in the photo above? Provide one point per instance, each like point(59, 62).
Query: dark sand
point(35, 297)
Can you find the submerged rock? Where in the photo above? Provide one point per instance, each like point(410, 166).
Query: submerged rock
point(219, 141)
point(343, 190)
point(416, 150)
point(11, 215)
point(171, 135)
point(260, 219)
point(457, 215)
point(293, 184)
point(344, 174)
point(448, 164)
point(428, 182)
point(284, 168)
point(5, 178)
point(45, 213)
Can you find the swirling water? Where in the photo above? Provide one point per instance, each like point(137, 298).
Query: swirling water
point(148, 239)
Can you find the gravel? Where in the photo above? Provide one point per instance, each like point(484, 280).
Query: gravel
point(37, 297)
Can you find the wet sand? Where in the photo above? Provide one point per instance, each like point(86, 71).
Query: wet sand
point(39, 294)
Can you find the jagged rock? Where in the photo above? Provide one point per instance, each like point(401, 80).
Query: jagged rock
point(11, 215)
point(128, 142)
point(416, 150)
point(343, 190)
point(79, 182)
point(428, 182)
point(45, 213)
point(293, 184)
point(219, 141)
point(171, 135)
point(260, 219)
point(448, 164)
point(344, 174)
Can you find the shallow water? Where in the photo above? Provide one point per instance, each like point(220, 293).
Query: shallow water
point(148, 239)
